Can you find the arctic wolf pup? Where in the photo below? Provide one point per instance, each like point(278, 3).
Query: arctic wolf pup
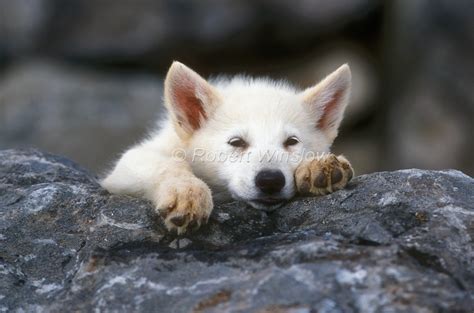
point(254, 140)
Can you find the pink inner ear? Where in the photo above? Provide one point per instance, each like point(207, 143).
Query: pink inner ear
point(190, 107)
point(329, 115)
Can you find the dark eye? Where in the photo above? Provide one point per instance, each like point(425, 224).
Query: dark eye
point(238, 142)
point(291, 141)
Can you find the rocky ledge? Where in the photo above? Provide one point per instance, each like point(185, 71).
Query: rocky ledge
point(391, 242)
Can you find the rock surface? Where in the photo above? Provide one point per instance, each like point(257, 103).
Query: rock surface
point(391, 242)
point(429, 79)
point(137, 29)
point(79, 113)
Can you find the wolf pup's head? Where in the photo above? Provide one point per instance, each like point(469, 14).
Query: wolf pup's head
point(245, 137)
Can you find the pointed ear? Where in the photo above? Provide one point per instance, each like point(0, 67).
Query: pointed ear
point(189, 98)
point(328, 99)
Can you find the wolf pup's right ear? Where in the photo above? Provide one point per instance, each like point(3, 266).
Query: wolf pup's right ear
point(189, 98)
point(328, 99)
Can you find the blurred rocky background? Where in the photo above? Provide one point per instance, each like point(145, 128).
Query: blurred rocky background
point(84, 78)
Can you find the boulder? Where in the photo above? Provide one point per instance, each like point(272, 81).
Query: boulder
point(430, 71)
point(83, 114)
point(139, 31)
point(22, 26)
point(391, 241)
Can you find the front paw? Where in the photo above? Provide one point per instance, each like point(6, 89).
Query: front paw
point(323, 175)
point(184, 203)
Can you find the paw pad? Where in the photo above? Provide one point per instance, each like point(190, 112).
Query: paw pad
point(178, 220)
point(321, 181)
point(321, 176)
point(336, 176)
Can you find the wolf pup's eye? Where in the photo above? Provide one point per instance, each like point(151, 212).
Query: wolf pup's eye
point(291, 141)
point(238, 142)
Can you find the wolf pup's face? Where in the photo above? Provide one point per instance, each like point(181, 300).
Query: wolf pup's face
point(245, 137)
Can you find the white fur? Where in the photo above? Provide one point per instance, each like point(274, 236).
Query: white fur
point(261, 111)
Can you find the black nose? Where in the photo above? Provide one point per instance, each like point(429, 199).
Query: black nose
point(270, 181)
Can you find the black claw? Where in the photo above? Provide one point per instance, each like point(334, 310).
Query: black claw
point(336, 176)
point(320, 181)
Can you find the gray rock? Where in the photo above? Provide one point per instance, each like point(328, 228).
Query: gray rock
point(429, 77)
point(75, 112)
point(147, 29)
point(391, 242)
point(22, 25)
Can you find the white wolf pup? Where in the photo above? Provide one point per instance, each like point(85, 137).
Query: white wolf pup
point(254, 140)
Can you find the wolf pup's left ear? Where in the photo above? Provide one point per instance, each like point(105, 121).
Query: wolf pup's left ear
point(328, 99)
point(189, 98)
